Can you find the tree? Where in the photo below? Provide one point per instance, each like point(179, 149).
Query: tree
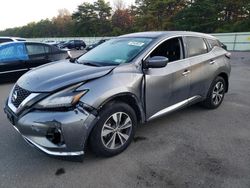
point(93, 19)
point(200, 15)
point(157, 14)
point(122, 21)
point(98, 19)
point(63, 23)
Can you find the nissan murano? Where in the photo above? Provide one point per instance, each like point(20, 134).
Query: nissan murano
point(99, 98)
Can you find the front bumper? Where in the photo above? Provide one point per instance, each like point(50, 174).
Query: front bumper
point(71, 129)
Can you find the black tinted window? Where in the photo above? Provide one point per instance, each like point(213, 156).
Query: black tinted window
point(196, 46)
point(5, 40)
point(54, 49)
point(35, 49)
point(170, 49)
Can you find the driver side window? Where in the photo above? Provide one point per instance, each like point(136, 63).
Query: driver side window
point(172, 49)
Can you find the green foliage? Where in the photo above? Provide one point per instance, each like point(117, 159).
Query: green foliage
point(93, 19)
point(198, 16)
point(98, 18)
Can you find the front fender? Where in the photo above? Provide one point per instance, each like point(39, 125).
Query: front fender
point(102, 89)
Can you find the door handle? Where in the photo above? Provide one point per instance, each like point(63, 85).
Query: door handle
point(212, 62)
point(186, 72)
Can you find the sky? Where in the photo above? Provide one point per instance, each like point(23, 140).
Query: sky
point(14, 13)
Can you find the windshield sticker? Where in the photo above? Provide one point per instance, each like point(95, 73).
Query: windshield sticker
point(133, 43)
point(120, 61)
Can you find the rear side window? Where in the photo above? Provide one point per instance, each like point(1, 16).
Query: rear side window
point(36, 49)
point(196, 46)
point(213, 43)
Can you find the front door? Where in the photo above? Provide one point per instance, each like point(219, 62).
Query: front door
point(167, 87)
point(13, 61)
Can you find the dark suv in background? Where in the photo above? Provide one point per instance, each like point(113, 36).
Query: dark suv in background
point(73, 44)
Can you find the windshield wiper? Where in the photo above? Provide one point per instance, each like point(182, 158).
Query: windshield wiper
point(73, 60)
point(91, 64)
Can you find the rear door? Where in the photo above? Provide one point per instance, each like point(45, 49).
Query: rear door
point(13, 60)
point(168, 86)
point(202, 65)
point(38, 54)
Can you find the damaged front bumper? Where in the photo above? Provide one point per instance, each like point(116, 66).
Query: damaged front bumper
point(58, 133)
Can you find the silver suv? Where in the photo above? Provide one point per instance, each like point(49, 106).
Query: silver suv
point(100, 97)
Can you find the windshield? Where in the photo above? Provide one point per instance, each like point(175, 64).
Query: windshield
point(115, 51)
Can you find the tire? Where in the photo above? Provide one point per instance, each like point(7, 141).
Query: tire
point(81, 48)
point(107, 139)
point(215, 94)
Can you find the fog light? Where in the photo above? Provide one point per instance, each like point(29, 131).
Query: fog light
point(55, 136)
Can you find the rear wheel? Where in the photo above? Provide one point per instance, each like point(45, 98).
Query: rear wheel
point(114, 130)
point(215, 94)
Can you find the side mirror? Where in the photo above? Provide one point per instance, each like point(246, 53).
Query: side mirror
point(156, 62)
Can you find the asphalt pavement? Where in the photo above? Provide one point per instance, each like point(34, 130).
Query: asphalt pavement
point(190, 148)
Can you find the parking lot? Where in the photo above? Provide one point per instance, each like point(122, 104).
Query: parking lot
point(193, 147)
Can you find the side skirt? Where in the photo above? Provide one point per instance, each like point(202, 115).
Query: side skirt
point(175, 107)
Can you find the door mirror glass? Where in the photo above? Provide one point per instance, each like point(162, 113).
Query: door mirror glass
point(156, 62)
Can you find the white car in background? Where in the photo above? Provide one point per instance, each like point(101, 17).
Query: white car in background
point(11, 39)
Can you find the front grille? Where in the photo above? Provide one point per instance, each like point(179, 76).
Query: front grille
point(18, 95)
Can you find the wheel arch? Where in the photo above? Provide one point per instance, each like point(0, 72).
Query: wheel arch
point(126, 97)
point(225, 77)
point(131, 100)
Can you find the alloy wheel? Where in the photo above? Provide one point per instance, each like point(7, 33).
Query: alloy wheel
point(218, 93)
point(116, 130)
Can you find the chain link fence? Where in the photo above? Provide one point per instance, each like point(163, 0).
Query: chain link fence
point(234, 41)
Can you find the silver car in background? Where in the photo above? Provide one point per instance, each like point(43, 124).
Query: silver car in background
point(101, 97)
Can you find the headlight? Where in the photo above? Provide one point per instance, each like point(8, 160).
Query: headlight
point(65, 98)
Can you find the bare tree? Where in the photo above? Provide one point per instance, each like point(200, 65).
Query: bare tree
point(119, 4)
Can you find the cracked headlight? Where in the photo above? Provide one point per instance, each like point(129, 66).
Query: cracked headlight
point(62, 99)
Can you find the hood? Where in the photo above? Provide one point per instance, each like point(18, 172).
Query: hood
point(53, 76)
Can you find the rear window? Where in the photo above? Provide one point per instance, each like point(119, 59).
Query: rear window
point(21, 40)
point(5, 40)
point(196, 46)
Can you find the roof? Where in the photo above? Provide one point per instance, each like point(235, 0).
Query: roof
point(21, 42)
point(158, 34)
point(13, 38)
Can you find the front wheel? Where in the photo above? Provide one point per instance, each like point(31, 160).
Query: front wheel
point(215, 94)
point(114, 130)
